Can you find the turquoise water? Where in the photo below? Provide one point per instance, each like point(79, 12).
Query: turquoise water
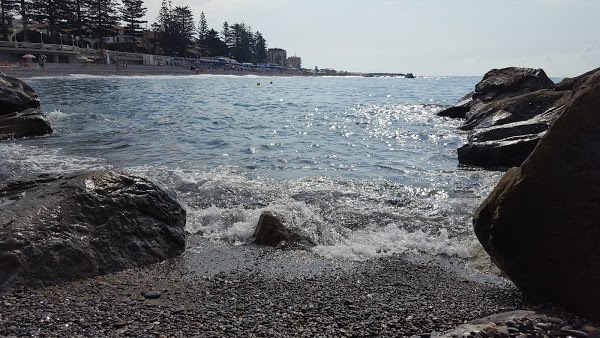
point(362, 164)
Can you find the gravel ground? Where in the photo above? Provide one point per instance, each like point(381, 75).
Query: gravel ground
point(219, 291)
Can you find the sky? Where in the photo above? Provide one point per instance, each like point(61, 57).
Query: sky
point(424, 37)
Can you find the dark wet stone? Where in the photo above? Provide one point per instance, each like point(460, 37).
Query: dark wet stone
point(60, 228)
point(151, 295)
point(19, 110)
point(542, 217)
point(508, 113)
point(271, 230)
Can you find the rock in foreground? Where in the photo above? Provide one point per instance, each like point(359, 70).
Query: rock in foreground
point(19, 110)
point(272, 231)
point(541, 223)
point(59, 229)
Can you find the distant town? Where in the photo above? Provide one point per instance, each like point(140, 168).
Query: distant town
point(99, 31)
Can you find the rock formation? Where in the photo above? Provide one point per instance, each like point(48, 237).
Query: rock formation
point(19, 110)
point(55, 229)
point(272, 231)
point(541, 223)
point(508, 113)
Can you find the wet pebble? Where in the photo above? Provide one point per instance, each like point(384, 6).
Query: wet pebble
point(151, 294)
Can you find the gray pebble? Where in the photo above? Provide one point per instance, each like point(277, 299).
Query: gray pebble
point(575, 333)
point(151, 294)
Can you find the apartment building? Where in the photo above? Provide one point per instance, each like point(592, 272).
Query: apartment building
point(277, 56)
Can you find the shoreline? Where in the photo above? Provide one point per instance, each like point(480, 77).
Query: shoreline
point(225, 290)
point(64, 69)
point(219, 290)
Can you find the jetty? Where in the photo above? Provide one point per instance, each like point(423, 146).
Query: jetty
point(387, 75)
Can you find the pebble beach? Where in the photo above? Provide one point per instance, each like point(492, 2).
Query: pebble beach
point(222, 290)
point(218, 291)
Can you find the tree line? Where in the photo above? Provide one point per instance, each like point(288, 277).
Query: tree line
point(175, 32)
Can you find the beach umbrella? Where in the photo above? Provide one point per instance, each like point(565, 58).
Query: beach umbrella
point(28, 56)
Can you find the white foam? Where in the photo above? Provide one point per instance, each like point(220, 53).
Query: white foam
point(366, 244)
point(56, 115)
point(235, 203)
point(233, 225)
point(22, 159)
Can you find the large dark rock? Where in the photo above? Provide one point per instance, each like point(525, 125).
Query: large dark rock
point(512, 81)
point(29, 123)
point(16, 95)
point(19, 110)
point(541, 223)
point(60, 229)
point(508, 113)
point(272, 231)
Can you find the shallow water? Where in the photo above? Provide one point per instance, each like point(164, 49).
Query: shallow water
point(363, 165)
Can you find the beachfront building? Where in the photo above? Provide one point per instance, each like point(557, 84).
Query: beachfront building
point(121, 37)
point(294, 62)
point(276, 56)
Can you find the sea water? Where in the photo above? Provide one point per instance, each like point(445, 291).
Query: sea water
point(363, 165)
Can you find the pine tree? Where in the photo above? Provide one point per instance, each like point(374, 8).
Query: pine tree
point(185, 30)
point(227, 38)
point(78, 22)
point(131, 13)
point(55, 14)
point(260, 48)
point(175, 29)
point(242, 43)
point(202, 27)
point(103, 19)
point(163, 27)
point(214, 45)
point(7, 10)
point(25, 7)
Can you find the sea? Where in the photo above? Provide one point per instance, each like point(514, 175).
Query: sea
point(361, 164)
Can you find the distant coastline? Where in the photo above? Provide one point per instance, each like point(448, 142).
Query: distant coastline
point(66, 69)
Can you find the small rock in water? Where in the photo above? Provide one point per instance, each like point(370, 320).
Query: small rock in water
point(151, 294)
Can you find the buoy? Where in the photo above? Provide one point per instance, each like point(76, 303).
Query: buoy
point(271, 82)
point(258, 83)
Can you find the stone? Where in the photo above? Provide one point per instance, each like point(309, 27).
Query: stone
point(544, 216)
point(510, 81)
point(508, 113)
point(272, 231)
point(19, 110)
point(151, 294)
point(16, 95)
point(574, 333)
point(60, 228)
point(29, 123)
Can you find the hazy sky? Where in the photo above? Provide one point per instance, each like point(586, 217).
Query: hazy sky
point(425, 37)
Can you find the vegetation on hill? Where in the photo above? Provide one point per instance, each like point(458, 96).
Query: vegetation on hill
point(175, 32)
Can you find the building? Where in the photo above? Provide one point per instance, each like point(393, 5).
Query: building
point(121, 37)
point(294, 62)
point(276, 56)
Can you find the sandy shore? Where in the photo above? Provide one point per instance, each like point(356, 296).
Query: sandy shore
point(63, 69)
point(220, 291)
